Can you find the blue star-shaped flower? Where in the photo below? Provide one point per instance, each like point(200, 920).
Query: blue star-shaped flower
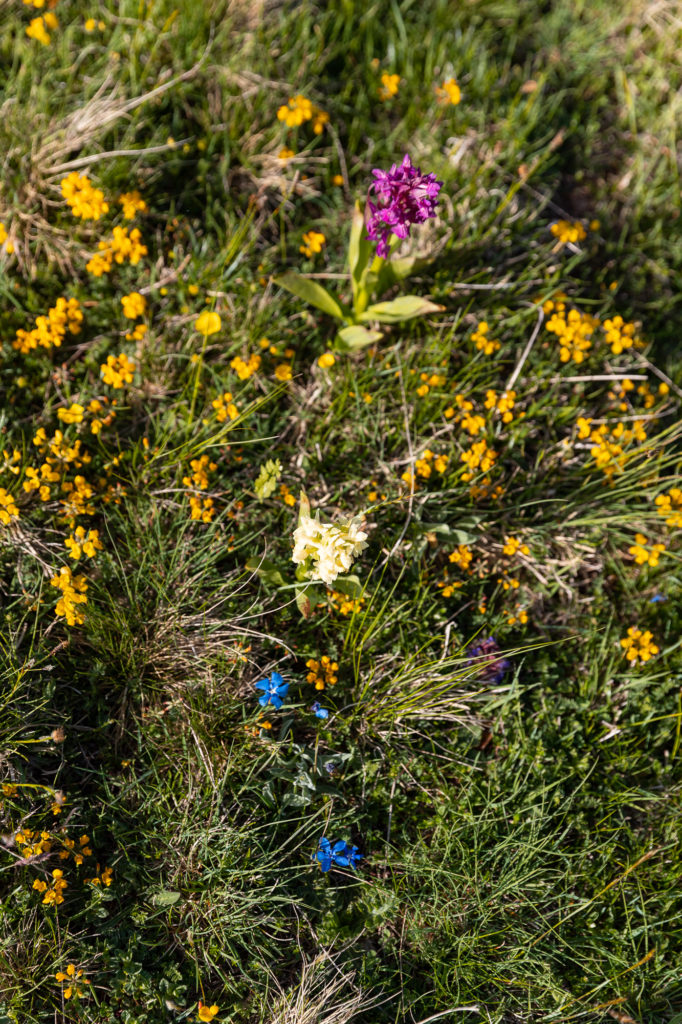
point(318, 710)
point(340, 853)
point(275, 689)
point(344, 855)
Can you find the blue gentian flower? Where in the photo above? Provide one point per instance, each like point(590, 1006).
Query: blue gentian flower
point(340, 853)
point(324, 854)
point(344, 855)
point(319, 711)
point(656, 598)
point(275, 689)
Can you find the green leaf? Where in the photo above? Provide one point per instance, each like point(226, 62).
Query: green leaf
point(165, 898)
point(350, 339)
point(405, 307)
point(267, 571)
point(396, 270)
point(312, 292)
point(359, 254)
point(348, 585)
point(303, 601)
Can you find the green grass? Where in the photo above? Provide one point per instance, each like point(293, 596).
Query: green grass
point(520, 835)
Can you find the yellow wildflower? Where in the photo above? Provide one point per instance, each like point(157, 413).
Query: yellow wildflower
point(312, 243)
point(206, 1013)
point(448, 92)
point(638, 645)
point(207, 323)
point(134, 305)
point(389, 86)
point(568, 231)
point(132, 202)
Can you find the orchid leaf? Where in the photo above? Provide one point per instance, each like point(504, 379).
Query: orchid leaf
point(312, 292)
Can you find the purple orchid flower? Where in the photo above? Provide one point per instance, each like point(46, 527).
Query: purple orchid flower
point(406, 197)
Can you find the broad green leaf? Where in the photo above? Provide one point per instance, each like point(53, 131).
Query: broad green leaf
point(312, 292)
point(359, 254)
point(396, 270)
point(305, 605)
point(267, 571)
point(165, 898)
point(405, 307)
point(351, 338)
point(348, 585)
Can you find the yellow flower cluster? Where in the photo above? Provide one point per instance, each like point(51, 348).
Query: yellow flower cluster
point(425, 465)
point(389, 86)
point(619, 335)
point(8, 507)
point(50, 330)
point(504, 404)
point(132, 202)
point(76, 504)
point(76, 979)
point(312, 243)
point(123, 245)
point(323, 672)
point(566, 231)
point(61, 455)
point(200, 508)
point(627, 387)
point(509, 582)
point(670, 505)
point(54, 893)
point(448, 587)
point(37, 29)
point(117, 371)
point(201, 467)
point(207, 1013)
point(245, 368)
point(573, 329)
point(483, 343)
point(343, 604)
point(74, 414)
point(287, 497)
point(608, 450)
point(512, 545)
point(73, 590)
point(461, 557)
point(428, 381)
point(300, 109)
point(521, 616)
point(85, 201)
point(101, 878)
point(80, 544)
point(644, 555)
point(472, 422)
point(448, 93)
point(134, 305)
point(224, 407)
point(479, 458)
point(638, 645)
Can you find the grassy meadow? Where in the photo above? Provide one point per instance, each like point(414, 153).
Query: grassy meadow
point(482, 697)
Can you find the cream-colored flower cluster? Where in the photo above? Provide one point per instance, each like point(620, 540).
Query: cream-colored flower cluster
point(329, 548)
